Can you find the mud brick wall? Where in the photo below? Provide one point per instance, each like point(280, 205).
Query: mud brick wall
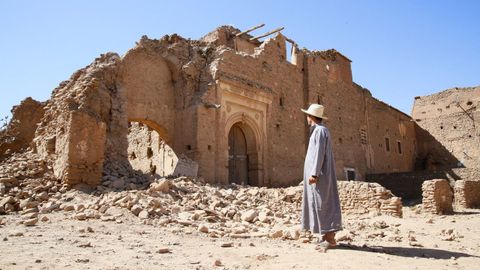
point(437, 196)
point(467, 194)
point(448, 128)
point(194, 92)
point(362, 198)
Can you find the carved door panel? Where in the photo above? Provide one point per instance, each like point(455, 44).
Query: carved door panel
point(237, 156)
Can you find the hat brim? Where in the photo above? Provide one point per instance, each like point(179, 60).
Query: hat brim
point(306, 112)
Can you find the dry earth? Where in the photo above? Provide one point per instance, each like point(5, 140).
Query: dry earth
point(136, 223)
point(417, 241)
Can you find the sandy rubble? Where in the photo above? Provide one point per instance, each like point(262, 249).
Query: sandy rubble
point(137, 223)
point(417, 241)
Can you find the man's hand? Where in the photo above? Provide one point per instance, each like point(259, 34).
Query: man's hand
point(312, 180)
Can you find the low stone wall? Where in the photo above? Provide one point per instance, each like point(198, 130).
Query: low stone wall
point(467, 194)
point(408, 185)
point(437, 196)
point(362, 197)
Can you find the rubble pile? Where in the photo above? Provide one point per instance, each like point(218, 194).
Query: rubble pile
point(437, 196)
point(27, 186)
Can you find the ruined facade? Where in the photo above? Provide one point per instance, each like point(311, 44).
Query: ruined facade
point(229, 102)
point(449, 129)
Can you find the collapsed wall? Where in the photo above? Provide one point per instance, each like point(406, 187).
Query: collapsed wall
point(437, 196)
point(362, 198)
point(467, 194)
point(83, 129)
point(20, 131)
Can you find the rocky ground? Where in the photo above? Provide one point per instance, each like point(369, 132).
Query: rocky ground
point(129, 223)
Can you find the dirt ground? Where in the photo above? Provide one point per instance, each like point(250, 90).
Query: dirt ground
point(417, 241)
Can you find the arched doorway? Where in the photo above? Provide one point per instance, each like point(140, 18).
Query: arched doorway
point(242, 155)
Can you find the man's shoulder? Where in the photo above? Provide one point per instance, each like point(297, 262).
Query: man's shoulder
point(321, 128)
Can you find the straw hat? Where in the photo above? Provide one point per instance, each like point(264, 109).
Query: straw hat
point(315, 110)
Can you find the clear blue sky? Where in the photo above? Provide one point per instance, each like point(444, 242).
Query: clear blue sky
point(399, 49)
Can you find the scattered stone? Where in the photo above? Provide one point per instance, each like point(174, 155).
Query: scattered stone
point(136, 209)
point(162, 186)
point(85, 245)
point(30, 215)
point(380, 224)
point(249, 215)
point(263, 217)
point(163, 250)
point(276, 234)
point(203, 228)
point(16, 234)
point(7, 200)
point(143, 214)
point(217, 263)
point(81, 216)
point(344, 236)
point(30, 222)
point(227, 245)
point(68, 207)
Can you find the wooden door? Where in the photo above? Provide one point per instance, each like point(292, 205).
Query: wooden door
point(237, 156)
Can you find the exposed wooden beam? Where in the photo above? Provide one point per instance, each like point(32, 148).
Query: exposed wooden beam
point(268, 33)
point(250, 29)
point(290, 40)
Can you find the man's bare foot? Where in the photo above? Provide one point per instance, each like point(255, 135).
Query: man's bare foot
point(330, 238)
point(323, 246)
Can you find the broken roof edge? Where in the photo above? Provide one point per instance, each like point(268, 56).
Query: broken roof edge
point(330, 53)
point(381, 102)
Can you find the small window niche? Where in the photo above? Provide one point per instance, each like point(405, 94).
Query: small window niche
point(399, 147)
point(350, 174)
point(387, 144)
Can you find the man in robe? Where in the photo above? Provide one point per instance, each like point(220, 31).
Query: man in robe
point(321, 212)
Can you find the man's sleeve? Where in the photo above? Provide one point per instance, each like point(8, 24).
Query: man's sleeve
point(319, 155)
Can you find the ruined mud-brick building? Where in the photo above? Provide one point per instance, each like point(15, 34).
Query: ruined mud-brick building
point(229, 102)
point(447, 127)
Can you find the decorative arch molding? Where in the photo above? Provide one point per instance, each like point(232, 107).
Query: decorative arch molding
point(244, 119)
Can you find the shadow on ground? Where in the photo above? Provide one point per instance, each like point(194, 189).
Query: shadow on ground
point(408, 251)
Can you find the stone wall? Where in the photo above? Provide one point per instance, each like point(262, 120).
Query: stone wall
point(467, 194)
point(437, 196)
point(361, 198)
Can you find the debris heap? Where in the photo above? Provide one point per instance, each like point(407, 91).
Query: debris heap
point(28, 186)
